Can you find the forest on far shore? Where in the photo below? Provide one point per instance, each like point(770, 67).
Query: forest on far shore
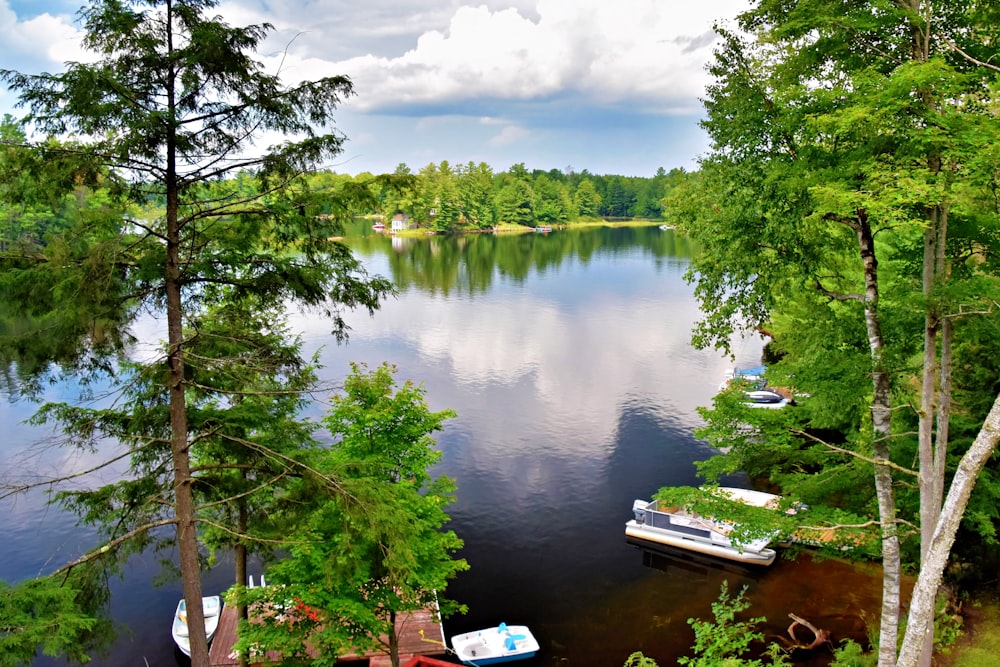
point(445, 197)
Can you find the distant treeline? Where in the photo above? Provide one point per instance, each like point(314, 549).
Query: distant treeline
point(445, 197)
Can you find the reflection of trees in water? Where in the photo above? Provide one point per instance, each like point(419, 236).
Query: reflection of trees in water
point(469, 263)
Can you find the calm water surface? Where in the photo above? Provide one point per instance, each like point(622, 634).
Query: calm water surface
point(567, 359)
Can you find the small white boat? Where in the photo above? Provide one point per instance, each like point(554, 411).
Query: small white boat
point(212, 608)
point(676, 527)
point(502, 643)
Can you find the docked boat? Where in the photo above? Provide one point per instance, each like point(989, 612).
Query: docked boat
point(502, 643)
point(677, 527)
point(751, 497)
point(212, 608)
point(755, 388)
point(379, 227)
point(543, 229)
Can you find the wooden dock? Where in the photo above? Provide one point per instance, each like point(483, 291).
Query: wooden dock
point(420, 634)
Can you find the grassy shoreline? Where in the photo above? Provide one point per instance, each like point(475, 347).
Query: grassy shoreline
point(979, 645)
point(508, 228)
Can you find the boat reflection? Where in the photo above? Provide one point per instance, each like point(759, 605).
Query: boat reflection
point(673, 560)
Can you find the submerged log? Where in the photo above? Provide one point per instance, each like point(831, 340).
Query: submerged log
point(820, 637)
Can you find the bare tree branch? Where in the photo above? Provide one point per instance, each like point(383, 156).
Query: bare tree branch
point(103, 550)
point(856, 455)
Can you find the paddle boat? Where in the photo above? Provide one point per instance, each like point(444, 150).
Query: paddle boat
point(677, 527)
point(212, 608)
point(502, 643)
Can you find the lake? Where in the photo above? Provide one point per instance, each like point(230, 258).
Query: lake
point(567, 359)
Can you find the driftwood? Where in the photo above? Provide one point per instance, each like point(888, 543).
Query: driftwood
point(820, 637)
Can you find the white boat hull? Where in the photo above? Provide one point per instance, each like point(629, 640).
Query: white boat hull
point(645, 533)
point(212, 609)
point(503, 643)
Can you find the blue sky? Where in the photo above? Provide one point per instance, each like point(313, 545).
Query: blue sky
point(611, 86)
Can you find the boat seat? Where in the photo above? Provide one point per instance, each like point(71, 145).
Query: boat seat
point(211, 607)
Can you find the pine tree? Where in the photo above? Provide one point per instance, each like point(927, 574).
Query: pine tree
point(172, 107)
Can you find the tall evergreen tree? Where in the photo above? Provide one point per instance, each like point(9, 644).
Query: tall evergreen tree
point(587, 201)
point(172, 105)
point(475, 190)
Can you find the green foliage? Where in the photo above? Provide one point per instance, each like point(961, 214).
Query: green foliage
point(515, 203)
point(475, 189)
point(839, 210)
point(472, 196)
point(586, 199)
point(637, 659)
point(376, 547)
point(200, 226)
point(42, 615)
point(724, 641)
point(984, 640)
point(384, 426)
point(851, 654)
point(826, 124)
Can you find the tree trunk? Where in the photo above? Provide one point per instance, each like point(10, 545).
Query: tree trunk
point(241, 564)
point(881, 432)
point(943, 271)
point(187, 539)
point(393, 640)
point(919, 624)
point(930, 500)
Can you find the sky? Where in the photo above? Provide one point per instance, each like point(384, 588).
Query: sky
point(610, 86)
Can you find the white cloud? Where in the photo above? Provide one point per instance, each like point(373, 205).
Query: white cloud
point(608, 86)
point(649, 53)
point(43, 42)
point(508, 135)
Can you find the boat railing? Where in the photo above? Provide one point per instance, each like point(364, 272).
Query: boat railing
point(681, 523)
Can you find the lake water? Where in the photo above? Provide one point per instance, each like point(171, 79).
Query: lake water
point(567, 359)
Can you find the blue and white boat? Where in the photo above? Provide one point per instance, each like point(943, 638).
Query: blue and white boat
point(502, 643)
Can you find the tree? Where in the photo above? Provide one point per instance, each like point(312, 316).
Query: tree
point(171, 106)
point(552, 203)
point(350, 578)
point(514, 203)
point(587, 201)
point(620, 199)
point(475, 190)
point(840, 135)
